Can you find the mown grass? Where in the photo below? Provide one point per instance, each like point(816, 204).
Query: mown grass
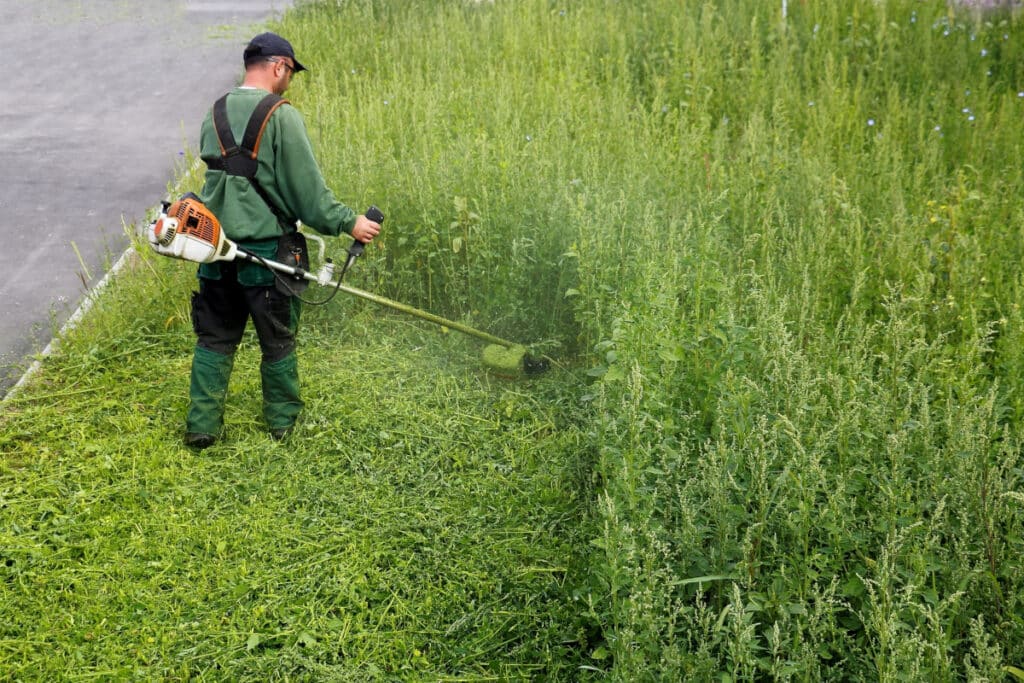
point(778, 262)
point(419, 523)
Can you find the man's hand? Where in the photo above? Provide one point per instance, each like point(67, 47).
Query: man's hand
point(365, 229)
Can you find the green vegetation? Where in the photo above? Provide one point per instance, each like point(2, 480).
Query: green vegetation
point(424, 519)
point(778, 263)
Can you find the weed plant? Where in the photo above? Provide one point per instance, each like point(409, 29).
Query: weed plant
point(777, 260)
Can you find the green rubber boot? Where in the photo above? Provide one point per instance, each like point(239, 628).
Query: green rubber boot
point(207, 392)
point(281, 402)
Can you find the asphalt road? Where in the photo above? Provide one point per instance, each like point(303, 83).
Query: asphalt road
point(101, 99)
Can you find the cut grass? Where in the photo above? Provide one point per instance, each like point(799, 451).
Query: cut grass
point(423, 520)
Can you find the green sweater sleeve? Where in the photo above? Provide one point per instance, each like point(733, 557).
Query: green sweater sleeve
point(296, 178)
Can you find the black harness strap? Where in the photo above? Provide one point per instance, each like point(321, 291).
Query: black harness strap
point(222, 126)
point(258, 123)
point(242, 160)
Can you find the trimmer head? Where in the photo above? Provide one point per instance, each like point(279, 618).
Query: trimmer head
point(509, 361)
point(535, 366)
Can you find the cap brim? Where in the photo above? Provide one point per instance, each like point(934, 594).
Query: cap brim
point(298, 66)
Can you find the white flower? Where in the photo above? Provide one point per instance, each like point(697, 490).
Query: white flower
point(871, 122)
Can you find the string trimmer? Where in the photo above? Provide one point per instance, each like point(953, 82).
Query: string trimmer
point(187, 230)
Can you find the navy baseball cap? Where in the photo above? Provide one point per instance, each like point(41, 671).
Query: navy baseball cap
point(270, 45)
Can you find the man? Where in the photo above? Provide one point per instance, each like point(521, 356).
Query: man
point(255, 213)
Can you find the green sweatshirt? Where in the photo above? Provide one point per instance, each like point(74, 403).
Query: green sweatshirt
point(289, 174)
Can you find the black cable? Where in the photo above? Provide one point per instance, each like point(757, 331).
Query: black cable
point(354, 251)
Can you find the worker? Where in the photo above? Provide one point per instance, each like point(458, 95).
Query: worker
point(257, 209)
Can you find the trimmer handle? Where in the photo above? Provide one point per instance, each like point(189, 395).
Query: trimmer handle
point(356, 249)
point(374, 214)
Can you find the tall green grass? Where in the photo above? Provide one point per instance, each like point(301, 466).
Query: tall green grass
point(791, 250)
point(808, 411)
point(777, 261)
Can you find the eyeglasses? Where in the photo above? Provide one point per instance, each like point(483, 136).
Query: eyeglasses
point(291, 69)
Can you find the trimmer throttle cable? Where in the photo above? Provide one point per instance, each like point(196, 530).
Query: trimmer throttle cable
point(355, 250)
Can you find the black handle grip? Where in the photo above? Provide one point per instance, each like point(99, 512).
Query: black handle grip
point(356, 248)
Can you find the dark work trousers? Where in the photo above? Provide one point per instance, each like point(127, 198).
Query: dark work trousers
point(220, 311)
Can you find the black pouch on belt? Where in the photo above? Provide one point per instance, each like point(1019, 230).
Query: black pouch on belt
point(292, 251)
